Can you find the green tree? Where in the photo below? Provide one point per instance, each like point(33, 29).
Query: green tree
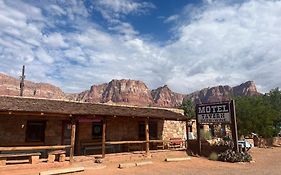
point(189, 108)
point(256, 114)
point(274, 98)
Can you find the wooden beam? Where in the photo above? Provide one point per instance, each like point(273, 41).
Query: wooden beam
point(187, 131)
point(29, 148)
point(37, 114)
point(176, 159)
point(147, 136)
point(234, 131)
point(198, 132)
point(159, 141)
point(62, 171)
point(124, 142)
point(103, 136)
point(73, 130)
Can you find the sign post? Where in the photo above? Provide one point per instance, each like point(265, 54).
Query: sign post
point(217, 113)
point(234, 126)
point(198, 132)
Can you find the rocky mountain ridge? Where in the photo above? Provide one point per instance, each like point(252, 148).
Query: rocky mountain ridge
point(10, 86)
point(223, 93)
point(130, 92)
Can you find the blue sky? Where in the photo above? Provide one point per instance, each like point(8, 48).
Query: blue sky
point(187, 45)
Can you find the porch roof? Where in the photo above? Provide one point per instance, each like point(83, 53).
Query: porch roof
point(48, 106)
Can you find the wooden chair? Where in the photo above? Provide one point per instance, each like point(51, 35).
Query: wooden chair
point(175, 143)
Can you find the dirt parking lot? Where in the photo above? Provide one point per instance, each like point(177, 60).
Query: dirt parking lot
point(266, 161)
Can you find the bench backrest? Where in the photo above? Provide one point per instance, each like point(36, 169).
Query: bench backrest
point(19, 155)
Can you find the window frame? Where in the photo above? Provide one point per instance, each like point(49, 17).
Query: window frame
point(28, 130)
point(97, 136)
point(141, 132)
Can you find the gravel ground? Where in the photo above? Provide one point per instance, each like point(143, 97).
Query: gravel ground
point(266, 161)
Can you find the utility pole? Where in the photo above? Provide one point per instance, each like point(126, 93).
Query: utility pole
point(22, 77)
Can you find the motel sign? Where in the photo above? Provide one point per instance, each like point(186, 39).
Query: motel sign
point(214, 113)
point(217, 113)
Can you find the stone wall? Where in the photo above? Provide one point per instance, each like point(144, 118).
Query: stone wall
point(174, 129)
point(13, 131)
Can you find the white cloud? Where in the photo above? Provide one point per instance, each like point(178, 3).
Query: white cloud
point(220, 44)
point(54, 40)
point(56, 10)
point(125, 29)
point(112, 10)
point(43, 56)
point(239, 39)
point(172, 18)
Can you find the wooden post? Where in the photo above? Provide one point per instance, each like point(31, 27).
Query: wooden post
point(22, 77)
point(147, 136)
point(234, 126)
point(103, 136)
point(73, 129)
point(198, 132)
point(187, 130)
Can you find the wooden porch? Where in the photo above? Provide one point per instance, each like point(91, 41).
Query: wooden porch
point(73, 112)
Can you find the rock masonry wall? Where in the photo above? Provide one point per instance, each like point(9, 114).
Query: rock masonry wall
point(174, 129)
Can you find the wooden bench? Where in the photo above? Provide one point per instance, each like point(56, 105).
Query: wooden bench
point(160, 144)
point(88, 148)
point(92, 145)
point(135, 147)
point(57, 153)
point(175, 143)
point(33, 157)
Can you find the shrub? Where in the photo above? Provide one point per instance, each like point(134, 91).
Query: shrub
point(205, 135)
point(231, 156)
point(213, 156)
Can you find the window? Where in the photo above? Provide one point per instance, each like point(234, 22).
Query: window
point(97, 130)
point(153, 131)
point(35, 131)
point(190, 128)
point(142, 131)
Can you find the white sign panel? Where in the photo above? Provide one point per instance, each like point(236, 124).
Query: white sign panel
point(214, 113)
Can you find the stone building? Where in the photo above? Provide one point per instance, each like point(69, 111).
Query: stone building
point(98, 128)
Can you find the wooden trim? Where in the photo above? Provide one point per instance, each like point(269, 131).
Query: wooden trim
point(67, 115)
point(147, 136)
point(22, 144)
point(27, 113)
point(124, 142)
point(198, 132)
point(28, 123)
point(28, 148)
point(158, 141)
point(73, 129)
point(103, 136)
point(187, 133)
point(234, 126)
